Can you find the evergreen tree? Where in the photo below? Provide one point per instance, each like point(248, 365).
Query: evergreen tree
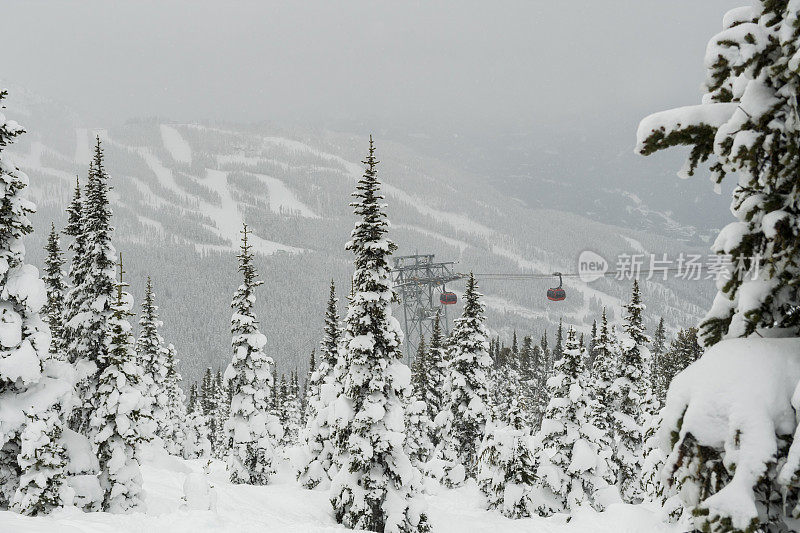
point(419, 370)
point(683, 351)
point(197, 444)
point(120, 416)
point(222, 415)
point(419, 429)
point(468, 407)
point(538, 386)
point(575, 453)
point(558, 349)
point(657, 362)
point(747, 124)
point(175, 432)
point(604, 371)
point(77, 272)
point(54, 309)
point(631, 388)
point(507, 465)
point(312, 365)
point(525, 354)
point(376, 486)
point(250, 430)
point(591, 350)
point(92, 298)
point(318, 440)
point(153, 357)
point(751, 83)
point(436, 395)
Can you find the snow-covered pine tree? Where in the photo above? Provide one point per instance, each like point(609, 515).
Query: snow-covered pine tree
point(120, 418)
point(92, 299)
point(419, 429)
point(539, 397)
point(419, 370)
point(197, 443)
point(222, 414)
point(748, 117)
point(604, 372)
point(376, 486)
point(292, 422)
point(174, 433)
point(575, 453)
point(283, 410)
point(153, 356)
point(251, 431)
point(54, 310)
point(525, 354)
point(436, 395)
point(631, 388)
point(683, 351)
point(592, 337)
point(467, 382)
point(558, 349)
point(656, 360)
point(507, 465)
point(75, 297)
point(322, 390)
point(312, 365)
point(32, 460)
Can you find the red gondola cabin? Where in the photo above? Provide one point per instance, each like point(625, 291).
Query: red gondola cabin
point(448, 298)
point(557, 294)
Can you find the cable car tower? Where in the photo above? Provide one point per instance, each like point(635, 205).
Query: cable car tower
point(420, 283)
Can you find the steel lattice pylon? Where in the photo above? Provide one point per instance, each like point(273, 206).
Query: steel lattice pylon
point(419, 282)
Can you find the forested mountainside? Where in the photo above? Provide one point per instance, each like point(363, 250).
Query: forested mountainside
point(182, 191)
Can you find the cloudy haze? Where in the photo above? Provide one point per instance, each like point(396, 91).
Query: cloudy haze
point(495, 87)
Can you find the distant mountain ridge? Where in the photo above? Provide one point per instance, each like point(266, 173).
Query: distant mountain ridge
point(182, 191)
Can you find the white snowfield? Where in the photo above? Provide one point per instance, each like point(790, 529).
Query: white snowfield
point(283, 506)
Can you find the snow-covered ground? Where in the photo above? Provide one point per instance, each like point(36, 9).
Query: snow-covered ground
point(283, 506)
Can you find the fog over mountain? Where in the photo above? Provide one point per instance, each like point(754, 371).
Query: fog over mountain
point(502, 161)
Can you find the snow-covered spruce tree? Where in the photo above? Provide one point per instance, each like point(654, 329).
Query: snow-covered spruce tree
point(467, 382)
point(54, 309)
point(77, 266)
point(539, 396)
point(558, 349)
point(312, 366)
point(419, 429)
point(174, 433)
point(290, 411)
point(575, 453)
point(197, 443)
point(251, 431)
point(31, 459)
point(376, 486)
point(120, 418)
point(507, 465)
point(91, 300)
point(419, 369)
point(631, 389)
point(436, 395)
point(748, 125)
point(657, 361)
point(318, 443)
point(604, 372)
point(153, 356)
point(222, 414)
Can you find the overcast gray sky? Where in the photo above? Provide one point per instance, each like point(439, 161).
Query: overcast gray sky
point(428, 65)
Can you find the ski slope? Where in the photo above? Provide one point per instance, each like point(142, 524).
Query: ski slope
point(283, 506)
